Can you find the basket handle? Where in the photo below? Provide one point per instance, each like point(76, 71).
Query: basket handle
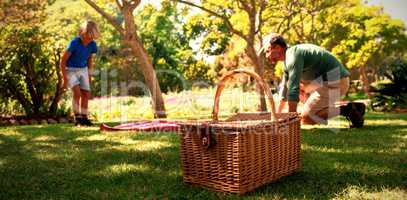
point(259, 81)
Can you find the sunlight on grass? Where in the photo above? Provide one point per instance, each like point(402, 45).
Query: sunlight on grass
point(334, 150)
point(124, 138)
point(362, 168)
point(401, 137)
point(142, 146)
point(44, 138)
point(12, 131)
point(388, 122)
point(45, 155)
point(98, 137)
point(334, 124)
point(354, 192)
point(118, 169)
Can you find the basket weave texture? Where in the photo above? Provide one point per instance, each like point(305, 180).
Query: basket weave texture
point(241, 153)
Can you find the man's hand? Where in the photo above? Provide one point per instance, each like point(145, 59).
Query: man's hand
point(292, 106)
point(281, 106)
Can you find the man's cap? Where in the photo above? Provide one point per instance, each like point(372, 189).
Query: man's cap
point(268, 40)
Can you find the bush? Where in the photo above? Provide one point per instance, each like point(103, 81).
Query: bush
point(393, 93)
point(29, 67)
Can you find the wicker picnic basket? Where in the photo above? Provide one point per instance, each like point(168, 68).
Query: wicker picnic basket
point(243, 152)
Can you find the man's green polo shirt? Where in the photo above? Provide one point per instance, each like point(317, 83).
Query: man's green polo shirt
point(308, 62)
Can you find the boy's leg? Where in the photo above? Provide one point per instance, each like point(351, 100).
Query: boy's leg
point(84, 101)
point(75, 103)
point(74, 84)
point(76, 93)
point(84, 107)
point(85, 95)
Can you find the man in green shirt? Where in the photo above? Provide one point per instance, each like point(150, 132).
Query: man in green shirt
point(312, 75)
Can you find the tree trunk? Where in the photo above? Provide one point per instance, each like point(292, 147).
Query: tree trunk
point(149, 76)
point(58, 91)
point(365, 81)
point(259, 69)
point(19, 95)
point(30, 82)
point(130, 38)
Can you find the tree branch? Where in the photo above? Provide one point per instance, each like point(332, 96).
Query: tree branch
point(133, 4)
point(119, 4)
point(108, 17)
point(260, 16)
point(224, 18)
point(245, 6)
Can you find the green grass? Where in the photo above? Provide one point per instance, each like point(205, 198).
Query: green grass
point(65, 162)
point(356, 96)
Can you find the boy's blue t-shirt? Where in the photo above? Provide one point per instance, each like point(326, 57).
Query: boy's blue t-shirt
point(80, 53)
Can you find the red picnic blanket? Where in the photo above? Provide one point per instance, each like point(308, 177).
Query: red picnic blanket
point(145, 126)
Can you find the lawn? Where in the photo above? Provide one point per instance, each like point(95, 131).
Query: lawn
point(65, 162)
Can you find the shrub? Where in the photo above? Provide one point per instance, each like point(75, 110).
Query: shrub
point(393, 93)
point(29, 67)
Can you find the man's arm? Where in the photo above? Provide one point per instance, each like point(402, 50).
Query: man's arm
point(295, 66)
point(283, 92)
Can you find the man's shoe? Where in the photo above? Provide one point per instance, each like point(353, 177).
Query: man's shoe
point(78, 120)
point(86, 121)
point(354, 112)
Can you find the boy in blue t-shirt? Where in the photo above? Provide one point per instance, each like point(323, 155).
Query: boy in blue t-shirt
point(77, 66)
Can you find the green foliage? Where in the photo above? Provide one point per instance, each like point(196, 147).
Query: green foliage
point(29, 63)
point(28, 68)
point(213, 32)
point(363, 35)
point(162, 32)
point(358, 34)
point(392, 94)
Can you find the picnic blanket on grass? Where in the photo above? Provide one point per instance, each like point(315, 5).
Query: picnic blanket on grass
point(144, 126)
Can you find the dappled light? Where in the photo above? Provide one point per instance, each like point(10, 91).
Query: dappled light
point(93, 164)
point(116, 170)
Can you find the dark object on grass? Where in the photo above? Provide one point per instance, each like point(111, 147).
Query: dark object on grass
point(354, 112)
point(82, 120)
point(86, 121)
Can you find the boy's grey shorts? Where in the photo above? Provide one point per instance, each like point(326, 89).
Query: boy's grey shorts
point(78, 76)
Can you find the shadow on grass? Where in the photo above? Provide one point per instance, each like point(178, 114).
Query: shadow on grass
point(61, 162)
